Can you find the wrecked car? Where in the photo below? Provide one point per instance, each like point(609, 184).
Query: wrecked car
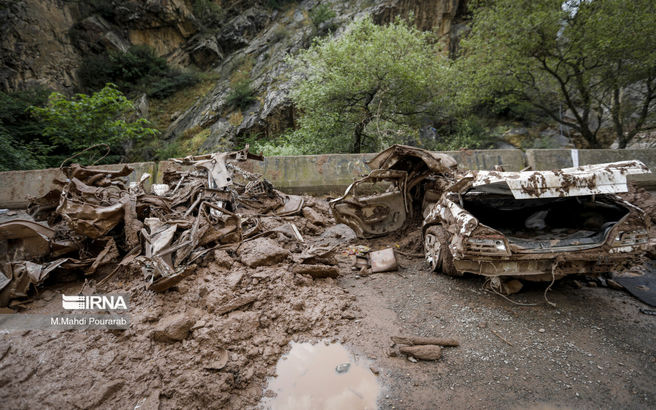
point(404, 181)
point(537, 225)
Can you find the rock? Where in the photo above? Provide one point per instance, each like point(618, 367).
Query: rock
point(317, 271)
point(314, 216)
point(423, 352)
point(340, 231)
point(343, 368)
point(206, 53)
point(262, 252)
point(541, 330)
point(234, 278)
point(173, 328)
point(374, 370)
point(222, 259)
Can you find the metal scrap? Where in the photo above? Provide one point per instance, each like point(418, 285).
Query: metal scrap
point(98, 223)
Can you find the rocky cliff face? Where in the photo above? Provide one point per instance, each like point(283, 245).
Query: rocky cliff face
point(44, 41)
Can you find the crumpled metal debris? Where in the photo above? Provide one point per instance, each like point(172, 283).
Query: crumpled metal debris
point(95, 222)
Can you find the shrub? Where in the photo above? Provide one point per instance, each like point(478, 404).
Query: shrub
point(21, 141)
point(241, 95)
point(208, 13)
point(320, 14)
point(74, 124)
point(138, 70)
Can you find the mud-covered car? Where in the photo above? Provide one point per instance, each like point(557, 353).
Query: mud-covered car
point(536, 225)
point(403, 181)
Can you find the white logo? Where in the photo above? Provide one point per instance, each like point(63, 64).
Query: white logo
point(94, 302)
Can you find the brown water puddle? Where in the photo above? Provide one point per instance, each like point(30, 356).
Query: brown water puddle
point(321, 376)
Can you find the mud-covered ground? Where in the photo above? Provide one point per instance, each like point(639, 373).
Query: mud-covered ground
point(593, 350)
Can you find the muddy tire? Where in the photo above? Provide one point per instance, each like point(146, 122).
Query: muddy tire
point(437, 251)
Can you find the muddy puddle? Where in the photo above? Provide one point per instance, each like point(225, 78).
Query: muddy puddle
point(322, 376)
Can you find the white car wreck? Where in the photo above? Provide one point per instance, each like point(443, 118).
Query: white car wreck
point(537, 225)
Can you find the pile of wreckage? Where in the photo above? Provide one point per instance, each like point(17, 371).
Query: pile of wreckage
point(97, 223)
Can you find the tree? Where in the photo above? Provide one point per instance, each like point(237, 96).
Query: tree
point(587, 64)
point(366, 88)
point(72, 125)
point(21, 141)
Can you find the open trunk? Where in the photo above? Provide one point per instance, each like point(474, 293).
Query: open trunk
point(542, 224)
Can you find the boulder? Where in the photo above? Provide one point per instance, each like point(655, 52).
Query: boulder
point(173, 328)
point(262, 252)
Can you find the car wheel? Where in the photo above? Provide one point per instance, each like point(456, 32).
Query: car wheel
point(437, 251)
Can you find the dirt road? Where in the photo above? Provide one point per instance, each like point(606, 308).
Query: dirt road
point(593, 350)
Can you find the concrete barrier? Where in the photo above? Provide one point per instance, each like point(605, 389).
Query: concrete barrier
point(332, 173)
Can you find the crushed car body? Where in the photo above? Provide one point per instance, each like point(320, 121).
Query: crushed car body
point(95, 222)
point(537, 225)
point(384, 200)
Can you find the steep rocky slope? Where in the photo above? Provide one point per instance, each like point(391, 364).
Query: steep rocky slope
point(43, 42)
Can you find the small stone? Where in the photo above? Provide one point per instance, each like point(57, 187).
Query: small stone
point(173, 328)
point(412, 359)
point(374, 370)
point(541, 330)
point(222, 259)
point(482, 325)
point(343, 368)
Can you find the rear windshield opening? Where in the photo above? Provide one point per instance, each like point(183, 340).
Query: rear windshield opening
point(585, 219)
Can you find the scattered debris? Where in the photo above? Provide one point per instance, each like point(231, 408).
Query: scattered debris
point(383, 261)
point(94, 223)
point(640, 282)
point(494, 332)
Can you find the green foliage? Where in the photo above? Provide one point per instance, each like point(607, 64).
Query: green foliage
point(366, 89)
point(138, 70)
point(241, 95)
point(281, 146)
point(468, 132)
point(208, 13)
point(72, 125)
point(594, 58)
point(320, 14)
point(21, 142)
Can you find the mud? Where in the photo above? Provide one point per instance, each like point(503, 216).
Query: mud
point(174, 352)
